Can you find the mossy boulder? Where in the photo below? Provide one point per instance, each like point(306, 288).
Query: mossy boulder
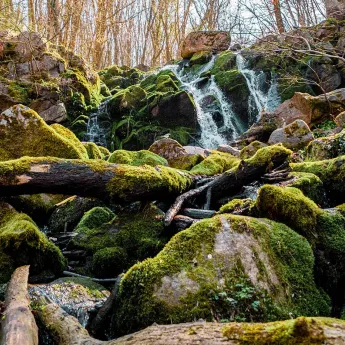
point(22, 243)
point(67, 214)
point(327, 147)
point(137, 158)
point(176, 155)
point(93, 150)
point(324, 229)
point(331, 172)
point(228, 267)
point(216, 163)
point(200, 58)
point(114, 243)
point(24, 133)
point(251, 149)
point(236, 204)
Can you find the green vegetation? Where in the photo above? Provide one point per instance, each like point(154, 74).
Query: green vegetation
point(137, 158)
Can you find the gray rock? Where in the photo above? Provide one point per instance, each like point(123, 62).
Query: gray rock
point(229, 149)
point(293, 136)
point(50, 111)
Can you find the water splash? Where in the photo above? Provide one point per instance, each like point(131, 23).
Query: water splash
point(260, 98)
point(217, 120)
point(94, 132)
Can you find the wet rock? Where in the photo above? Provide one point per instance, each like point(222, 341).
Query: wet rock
point(79, 297)
point(198, 41)
point(293, 136)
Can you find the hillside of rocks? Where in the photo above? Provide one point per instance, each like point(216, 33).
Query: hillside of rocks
point(203, 199)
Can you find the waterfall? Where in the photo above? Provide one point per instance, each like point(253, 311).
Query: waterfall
point(259, 99)
point(94, 132)
point(217, 126)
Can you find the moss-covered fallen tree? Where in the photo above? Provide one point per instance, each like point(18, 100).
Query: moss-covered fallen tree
point(121, 182)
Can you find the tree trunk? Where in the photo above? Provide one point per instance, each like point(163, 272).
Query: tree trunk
point(66, 330)
point(18, 326)
point(278, 15)
point(109, 182)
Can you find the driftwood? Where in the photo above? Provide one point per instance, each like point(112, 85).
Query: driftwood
point(18, 326)
point(229, 182)
point(66, 330)
point(102, 180)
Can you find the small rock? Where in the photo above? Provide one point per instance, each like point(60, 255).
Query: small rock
point(294, 136)
point(229, 149)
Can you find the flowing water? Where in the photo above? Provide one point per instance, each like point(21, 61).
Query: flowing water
point(94, 132)
point(218, 123)
point(260, 98)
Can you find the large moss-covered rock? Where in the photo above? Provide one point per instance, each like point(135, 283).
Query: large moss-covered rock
point(24, 133)
point(324, 229)
point(115, 243)
point(137, 158)
point(227, 267)
point(251, 149)
point(22, 243)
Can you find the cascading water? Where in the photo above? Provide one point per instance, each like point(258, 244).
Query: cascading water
point(217, 126)
point(260, 98)
point(94, 131)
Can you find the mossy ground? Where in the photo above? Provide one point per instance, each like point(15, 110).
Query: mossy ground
point(137, 158)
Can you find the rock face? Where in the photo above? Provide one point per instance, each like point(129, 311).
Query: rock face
point(46, 78)
point(205, 41)
point(293, 136)
point(335, 9)
point(201, 271)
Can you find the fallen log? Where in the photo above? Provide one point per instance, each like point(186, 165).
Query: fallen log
point(99, 179)
point(66, 330)
point(233, 180)
point(18, 326)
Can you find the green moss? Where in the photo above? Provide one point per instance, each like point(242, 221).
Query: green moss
point(251, 149)
point(90, 90)
point(24, 133)
point(104, 151)
point(137, 158)
point(19, 91)
point(116, 243)
point(166, 84)
point(225, 61)
point(311, 186)
point(302, 331)
point(216, 163)
point(70, 136)
point(189, 262)
point(236, 204)
point(200, 58)
point(269, 153)
point(186, 162)
point(93, 150)
point(24, 244)
point(109, 262)
point(150, 177)
point(332, 174)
